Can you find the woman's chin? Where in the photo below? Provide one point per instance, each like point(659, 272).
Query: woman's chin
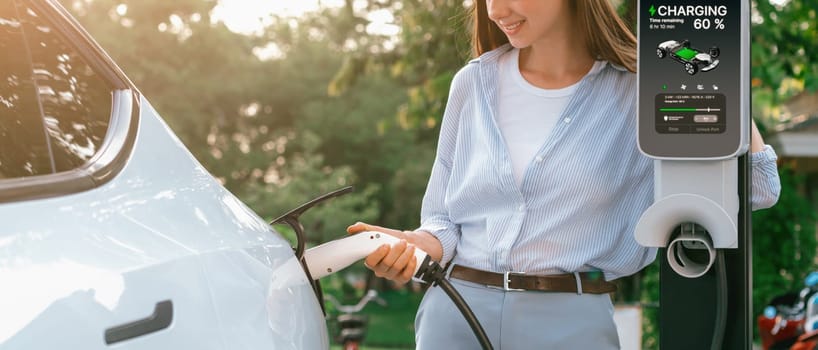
point(519, 44)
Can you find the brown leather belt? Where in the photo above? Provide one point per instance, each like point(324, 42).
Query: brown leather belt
point(592, 282)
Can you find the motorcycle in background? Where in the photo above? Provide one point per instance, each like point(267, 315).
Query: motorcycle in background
point(790, 321)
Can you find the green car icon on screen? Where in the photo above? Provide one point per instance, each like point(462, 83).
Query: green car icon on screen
point(694, 60)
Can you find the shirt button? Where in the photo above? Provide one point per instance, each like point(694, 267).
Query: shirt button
point(521, 207)
point(567, 120)
point(538, 159)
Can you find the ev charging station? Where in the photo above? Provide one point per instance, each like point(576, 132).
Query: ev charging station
point(694, 121)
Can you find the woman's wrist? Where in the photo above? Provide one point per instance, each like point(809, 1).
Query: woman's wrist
point(756, 141)
point(426, 242)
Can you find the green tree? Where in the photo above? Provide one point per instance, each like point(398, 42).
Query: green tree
point(233, 110)
point(433, 43)
point(170, 51)
point(784, 59)
point(784, 242)
point(784, 64)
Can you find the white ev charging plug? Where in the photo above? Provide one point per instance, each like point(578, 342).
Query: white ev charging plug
point(336, 255)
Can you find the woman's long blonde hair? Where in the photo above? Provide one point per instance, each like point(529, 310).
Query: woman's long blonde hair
point(606, 35)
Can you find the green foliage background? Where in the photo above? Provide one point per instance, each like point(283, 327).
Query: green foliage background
point(340, 105)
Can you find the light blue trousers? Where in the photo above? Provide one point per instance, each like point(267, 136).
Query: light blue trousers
point(516, 319)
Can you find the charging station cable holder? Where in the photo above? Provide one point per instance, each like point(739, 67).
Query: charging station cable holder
point(692, 192)
point(687, 242)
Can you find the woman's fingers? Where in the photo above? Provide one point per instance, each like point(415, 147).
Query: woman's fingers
point(394, 253)
point(356, 227)
point(402, 261)
point(362, 226)
point(409, 271)
point(396, 263)
point(373, 260)
point(389, 266)
point(401, 265)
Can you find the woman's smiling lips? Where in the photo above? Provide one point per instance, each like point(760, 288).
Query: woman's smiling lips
point(511, 28)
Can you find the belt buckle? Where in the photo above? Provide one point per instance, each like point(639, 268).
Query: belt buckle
point(506, 280)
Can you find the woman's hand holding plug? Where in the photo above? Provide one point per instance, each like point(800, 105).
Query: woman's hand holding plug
point(397, 263)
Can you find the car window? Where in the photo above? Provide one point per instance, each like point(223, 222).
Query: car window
point(62, 107)
point(23, 148)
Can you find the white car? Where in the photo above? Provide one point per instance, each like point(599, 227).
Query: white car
point(113, 236)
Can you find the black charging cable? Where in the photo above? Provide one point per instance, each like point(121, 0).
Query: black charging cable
point(720, 321)
point(721, 302)
point(431, 272)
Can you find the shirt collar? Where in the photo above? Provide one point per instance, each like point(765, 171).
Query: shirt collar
point(493, 56)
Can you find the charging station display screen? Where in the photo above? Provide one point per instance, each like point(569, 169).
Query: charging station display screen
point(691, 60)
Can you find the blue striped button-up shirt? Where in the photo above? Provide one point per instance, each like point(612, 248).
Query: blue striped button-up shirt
point(581, 195)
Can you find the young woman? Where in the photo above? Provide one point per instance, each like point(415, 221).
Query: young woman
point(537, 171)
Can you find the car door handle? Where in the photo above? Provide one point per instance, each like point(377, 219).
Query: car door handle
point(160, 319)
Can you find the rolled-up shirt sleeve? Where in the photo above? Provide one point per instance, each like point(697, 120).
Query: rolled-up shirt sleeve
point(434, 214)
point(766, 183)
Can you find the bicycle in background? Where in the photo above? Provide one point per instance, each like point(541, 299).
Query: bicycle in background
point(352, 325)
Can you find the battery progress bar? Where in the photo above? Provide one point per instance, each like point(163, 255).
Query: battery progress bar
point(682, 109)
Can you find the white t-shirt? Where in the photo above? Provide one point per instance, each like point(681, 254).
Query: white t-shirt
point(526, 113)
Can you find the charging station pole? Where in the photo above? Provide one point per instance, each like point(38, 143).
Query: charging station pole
point(687, 306)
point(694, 121)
